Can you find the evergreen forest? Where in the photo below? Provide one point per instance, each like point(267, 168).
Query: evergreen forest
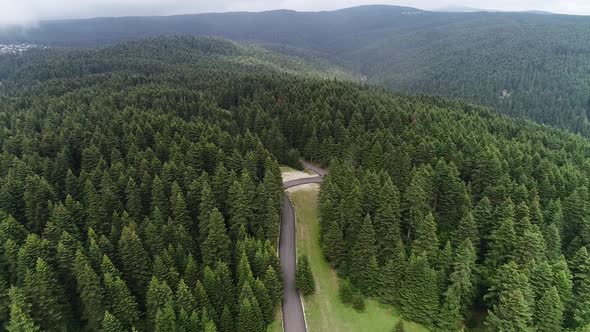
point(140, 189)
point(521, 64)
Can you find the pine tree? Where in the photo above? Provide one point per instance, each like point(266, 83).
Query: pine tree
point(166, 318)
point(72, 186)
point(4, 299)
point(304, 276)
point(426, 241)
point(417, 197)
point(467, 230)
point(43, 291)
point(159, 199)
point(549, 313)
point(38, 193)
point(202, 299)
point(541, 278)
point(237, 208)
point(273, 285)
point(135, 263)
point(217, 244)
point(111, 324)
point(244, 272)
point(419, 295)
point(158, 294)
point(205, 210)
point(392, 274)
point(576, 212)
point(134, 205)
point(509, 278)
point(226, 285)
point(451, 199)
point(247, 318)
point(271, 221)
point(351, 214)
point(483, 214)
point(63, 221)
point(530, 246)
point(188, 322)
point(226, 323)
point(183, 298)
point(190, 270)
point(562, 279)
point(179, 211)
point(90, 291)
point(451, 311)
point(333, 242)
point(387, 224)
point(581, 290)
point(552, 241)
point(511, 314)
point(361, 254)
point(463, 275)
point(346, 292)
point(20, 313)
point(212, 285)
point(502, 243)
point(264, 301)
point(120, 302)
point(358, 301)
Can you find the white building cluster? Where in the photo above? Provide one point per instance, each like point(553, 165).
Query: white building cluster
point(16, 48)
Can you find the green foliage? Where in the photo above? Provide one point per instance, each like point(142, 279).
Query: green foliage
point(43, 292)
point(549, 313)
point(511, 314)
point(217, 244)
point(304, 276)
point(170, 151)
point(20, 313)
point(90, 290)
point(111, 324)
point(362, 273)
point(346, 292)
point(358, 301)
point(419, 297)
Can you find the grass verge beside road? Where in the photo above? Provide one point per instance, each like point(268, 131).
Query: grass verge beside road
point(324, 311)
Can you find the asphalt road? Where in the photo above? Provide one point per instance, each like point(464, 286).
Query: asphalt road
point(293, 317)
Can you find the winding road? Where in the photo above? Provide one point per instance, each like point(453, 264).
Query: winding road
point(293, 316)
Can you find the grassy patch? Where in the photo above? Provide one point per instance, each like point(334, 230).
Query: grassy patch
point(276, 325)
point(323, 310)
point(285, 169)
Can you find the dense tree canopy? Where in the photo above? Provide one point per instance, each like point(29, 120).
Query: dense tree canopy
point(522, 64)
point(143, 178)
point(114, 185)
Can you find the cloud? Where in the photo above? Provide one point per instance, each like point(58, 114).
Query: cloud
point(23, 12)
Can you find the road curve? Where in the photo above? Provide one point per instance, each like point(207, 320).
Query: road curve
point(319, 171)
point(293, 316)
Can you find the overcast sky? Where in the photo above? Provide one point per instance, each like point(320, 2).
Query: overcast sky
point(30, 11)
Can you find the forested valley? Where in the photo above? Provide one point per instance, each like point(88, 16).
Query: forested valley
point(520, 64)
point(140, 189)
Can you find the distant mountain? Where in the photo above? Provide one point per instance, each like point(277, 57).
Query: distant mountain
point(539, 12)
point(459, 9)
point(522, 64)
point(464, 9)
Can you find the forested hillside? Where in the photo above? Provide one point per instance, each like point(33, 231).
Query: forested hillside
point(129, 198)
point(140, 187)
point(521, 64)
